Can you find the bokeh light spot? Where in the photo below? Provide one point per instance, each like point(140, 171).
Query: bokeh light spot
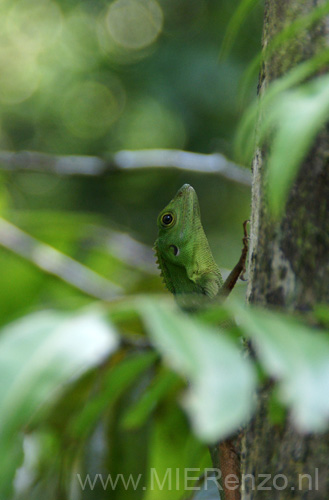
point(149, 124)
point(27, 30)
point(19, 77)
point(34, 24)
point(134, 24)
point(79, 44)
point(90, 108)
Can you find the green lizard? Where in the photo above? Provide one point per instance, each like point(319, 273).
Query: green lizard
point(192, 275)
point(184, 256)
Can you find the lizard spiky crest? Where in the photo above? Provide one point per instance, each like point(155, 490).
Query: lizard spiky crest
point(163, 269)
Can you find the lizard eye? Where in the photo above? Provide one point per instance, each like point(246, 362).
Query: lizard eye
point(167, 219)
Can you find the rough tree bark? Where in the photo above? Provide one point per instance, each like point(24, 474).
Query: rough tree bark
point(289, 265)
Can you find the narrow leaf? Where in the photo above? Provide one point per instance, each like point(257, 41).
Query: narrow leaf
point(239, 16)
point(299, 115)
point(115, 383)
point(138, 413)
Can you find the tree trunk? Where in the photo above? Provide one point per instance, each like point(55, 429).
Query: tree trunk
point(289, 268)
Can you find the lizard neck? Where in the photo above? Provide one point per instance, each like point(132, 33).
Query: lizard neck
point(188, 295)
point(196, 285)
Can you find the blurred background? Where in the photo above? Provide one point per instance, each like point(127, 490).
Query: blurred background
point(93, 78)
point(90, 390)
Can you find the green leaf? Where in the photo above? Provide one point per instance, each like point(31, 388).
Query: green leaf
point(239, 16)
point(174, 448)
point(219, 398)
point(301, 24)
point(138, 413)
point(115, 382)
point(298, 357)
point(39, 354)
point(122, 442)
point(291, 117)
point(298, 115)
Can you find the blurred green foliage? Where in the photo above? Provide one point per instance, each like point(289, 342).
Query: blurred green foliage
point(91, 78)
point(81, 390)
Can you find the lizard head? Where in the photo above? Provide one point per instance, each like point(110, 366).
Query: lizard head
point(178, 224)
point(183, 254)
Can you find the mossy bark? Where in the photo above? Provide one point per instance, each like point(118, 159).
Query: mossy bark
point(289, 268)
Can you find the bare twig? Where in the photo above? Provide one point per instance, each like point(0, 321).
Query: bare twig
point(132, 252)
point(122, 160)
point(54, 262)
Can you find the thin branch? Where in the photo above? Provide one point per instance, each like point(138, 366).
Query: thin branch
point(124, 160)
point(130, 251)
point(54, 262)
